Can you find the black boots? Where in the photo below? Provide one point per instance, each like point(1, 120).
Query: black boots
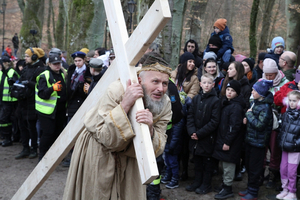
point(225, 193)
point(23, 154)
point(197, 182)
point(273, 178)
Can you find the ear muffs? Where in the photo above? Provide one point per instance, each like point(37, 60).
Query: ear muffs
point(298, 105)
point(34, 57)
point(285, 101)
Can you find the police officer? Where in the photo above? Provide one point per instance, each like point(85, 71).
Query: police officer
point(50, 102)
point(8, 104)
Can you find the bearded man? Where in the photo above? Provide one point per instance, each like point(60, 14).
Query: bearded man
point(104, 164)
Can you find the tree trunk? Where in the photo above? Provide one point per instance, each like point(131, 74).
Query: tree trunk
point(172, 33)
point(293, 21)
point(96, 31)
point(80, 17)
point(141, 9)
point(60, 27)
point(21, 5)
point(49, 38)
point(252, 32)
point(195, 13)
point(267, 12)
point(32, 20)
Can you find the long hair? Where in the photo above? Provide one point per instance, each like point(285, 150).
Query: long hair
point(184, 73)
point(209, 60)
point(196, 52)
point(240, 70)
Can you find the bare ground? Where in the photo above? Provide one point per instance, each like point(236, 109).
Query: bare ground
point(14, 172)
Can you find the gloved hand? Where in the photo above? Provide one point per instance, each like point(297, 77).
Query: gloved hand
point(57, 86)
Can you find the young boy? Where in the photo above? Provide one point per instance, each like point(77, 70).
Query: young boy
point(277, 49)
point(259, 120)
point(222, 31)
point(202, 121)
point(230, 138)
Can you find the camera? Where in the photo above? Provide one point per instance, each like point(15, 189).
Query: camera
point(33, 32)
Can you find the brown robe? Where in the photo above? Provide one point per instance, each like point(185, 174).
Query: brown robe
point(103, 164)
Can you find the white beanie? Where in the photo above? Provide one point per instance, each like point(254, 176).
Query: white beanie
point(270, 66)
point(210, 54)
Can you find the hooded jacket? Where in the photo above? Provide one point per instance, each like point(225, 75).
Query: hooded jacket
point(203, 119)
point(229, 131)
point(245, 90)
point(260, 122)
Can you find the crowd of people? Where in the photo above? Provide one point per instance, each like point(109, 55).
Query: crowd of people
point(228, 113)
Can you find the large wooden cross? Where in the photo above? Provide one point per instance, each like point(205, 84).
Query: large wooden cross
point(128, 51)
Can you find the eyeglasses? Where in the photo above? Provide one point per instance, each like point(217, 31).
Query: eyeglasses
point(282, 59)
point(211, 67)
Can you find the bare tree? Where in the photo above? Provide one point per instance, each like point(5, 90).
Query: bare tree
point(49, 38)
point(293, 21)
point(60, 27)
point(252, 32)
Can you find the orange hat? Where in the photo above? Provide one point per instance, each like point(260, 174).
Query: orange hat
point(38, 51)
point(220, 24)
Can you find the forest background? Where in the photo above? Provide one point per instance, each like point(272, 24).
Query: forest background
point(74, 24)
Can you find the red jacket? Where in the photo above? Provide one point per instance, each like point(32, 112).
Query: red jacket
point(8, 50)
point(284, 90)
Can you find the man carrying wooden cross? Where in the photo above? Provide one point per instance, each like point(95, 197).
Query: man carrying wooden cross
point(103, 164)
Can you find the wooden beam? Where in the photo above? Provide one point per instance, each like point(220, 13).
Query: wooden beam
point(136, 45)
point(142, 141)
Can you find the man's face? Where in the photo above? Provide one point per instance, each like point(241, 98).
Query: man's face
point(190, 47)
point(155, 84)
point(28, 59)
point(211, 46)
point(282, 62)
point(55, 67)
point(78, 62)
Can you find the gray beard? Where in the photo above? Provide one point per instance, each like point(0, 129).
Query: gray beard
point(155, 107)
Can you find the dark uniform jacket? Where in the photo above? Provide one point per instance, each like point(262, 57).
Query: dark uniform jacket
point(29, 73)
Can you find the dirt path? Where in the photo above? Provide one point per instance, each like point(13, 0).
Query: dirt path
point(14, 172)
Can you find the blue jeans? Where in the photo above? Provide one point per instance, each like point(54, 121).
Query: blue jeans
point(226, 56)
point(16, 50)
point(172, 165)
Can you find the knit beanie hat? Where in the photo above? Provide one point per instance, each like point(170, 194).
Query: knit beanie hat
point(270, 66)
point(84, 50)
point(262, 86)
point(215, 40)
point(37, 51)
point(250, 62)
point(235, 85)
point(210, 54)
point(185, 57)
point(220, 24)
point(276, 42)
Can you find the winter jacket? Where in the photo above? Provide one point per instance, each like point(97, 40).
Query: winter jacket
point(226, 42)
point(229, 131)
point(245, 91)
point(258, 71)
point(174, 140)
point(15, 41)
point(289, 74)
point(284, 90)
point(203, 119)
point(95, 79)
point(289, 136)
point(260, 122)
point(29, 73)
point(192, 87)
point(274, 56)
point(76, 97)
point(254, 78)
point(45, 92)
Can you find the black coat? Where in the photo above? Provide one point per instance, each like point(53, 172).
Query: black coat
point(76, 97)
point(203, 119)
point(29, 73)
point(173, 145)
point(96, 78)
point(229, 131)
point(245, 91)
point(289, 136)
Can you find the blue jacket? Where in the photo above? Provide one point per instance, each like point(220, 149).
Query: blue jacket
point(275, 57)
point(226, 42)
point(260, 122)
